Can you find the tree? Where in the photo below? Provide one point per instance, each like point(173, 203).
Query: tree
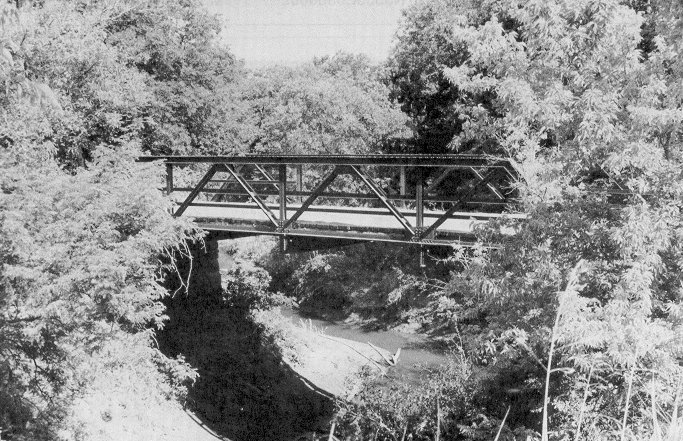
point(80, 247)
point(595, 128)
point(333, 105)
point(190, 74)
point(414, 75)
point(154, 71)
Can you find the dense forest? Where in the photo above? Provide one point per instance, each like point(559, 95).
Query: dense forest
point(571, 328)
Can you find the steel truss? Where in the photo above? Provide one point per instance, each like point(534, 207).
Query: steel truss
point(453, 186)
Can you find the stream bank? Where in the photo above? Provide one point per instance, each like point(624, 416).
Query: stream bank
point(417, 353)
point(276, 373)
point(245, 390)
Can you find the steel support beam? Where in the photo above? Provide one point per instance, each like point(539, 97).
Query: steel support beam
point(407, 160)
point(224, 186)
point(402, 181)
point(457, 205)
point(439, 179)
point(384, 200)
point(169, 179)
point(269, 178)
point(419, 204)
point(299, 179)
point(252, 193)
point(282, 175)
point(314, 195)
point(492, 188)
point(169, 183)
point(193, 194)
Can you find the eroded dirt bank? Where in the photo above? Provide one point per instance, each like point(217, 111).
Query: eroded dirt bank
point(264, 377)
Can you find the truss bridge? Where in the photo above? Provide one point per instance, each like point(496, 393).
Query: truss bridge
point(316, 201)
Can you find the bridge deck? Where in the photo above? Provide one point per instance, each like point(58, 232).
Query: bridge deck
point(326, 221)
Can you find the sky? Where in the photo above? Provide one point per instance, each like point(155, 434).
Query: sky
point(264, 32)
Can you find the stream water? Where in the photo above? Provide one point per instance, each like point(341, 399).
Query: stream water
point(417, 353)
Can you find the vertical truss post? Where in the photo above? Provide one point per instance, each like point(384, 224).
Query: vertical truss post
point(402, 183)
point(169, 183)
point(282, 175)
point(402, 180)
point(169, 179)
point(419, 202)
point(299, 180)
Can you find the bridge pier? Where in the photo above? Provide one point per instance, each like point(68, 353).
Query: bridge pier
point(198, 278)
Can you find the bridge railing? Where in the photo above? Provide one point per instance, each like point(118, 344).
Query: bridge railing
point(408, 188)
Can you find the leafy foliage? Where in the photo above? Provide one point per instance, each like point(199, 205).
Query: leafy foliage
point(80, 267)
point(189, 75)
point(151, 72)
point(574, 323)
point(584, 113)
point(415, 77)
point(333, 105)
point(80, 248)
point(411, 411)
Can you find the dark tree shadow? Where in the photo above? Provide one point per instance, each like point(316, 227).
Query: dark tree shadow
point(244, 391)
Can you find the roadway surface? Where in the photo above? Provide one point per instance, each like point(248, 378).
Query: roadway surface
point(352, 218)
point(334, 222)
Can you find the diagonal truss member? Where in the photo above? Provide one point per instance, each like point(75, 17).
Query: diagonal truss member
point(485, 179)
point(313, 196)
point(195, 191)
point(252, 193)
point(384, 200)
point(351, 170)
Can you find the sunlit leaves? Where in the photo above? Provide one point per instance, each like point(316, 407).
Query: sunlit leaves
point(587, 114)
point(80, 264)
point(334, 105)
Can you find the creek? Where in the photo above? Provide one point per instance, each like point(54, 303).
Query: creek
point(245, 392)
point(417, 352)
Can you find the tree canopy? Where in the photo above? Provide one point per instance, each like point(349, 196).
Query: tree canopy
point(415, 77)
point(82, 227)
point(332, 105)
point(594, 123)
